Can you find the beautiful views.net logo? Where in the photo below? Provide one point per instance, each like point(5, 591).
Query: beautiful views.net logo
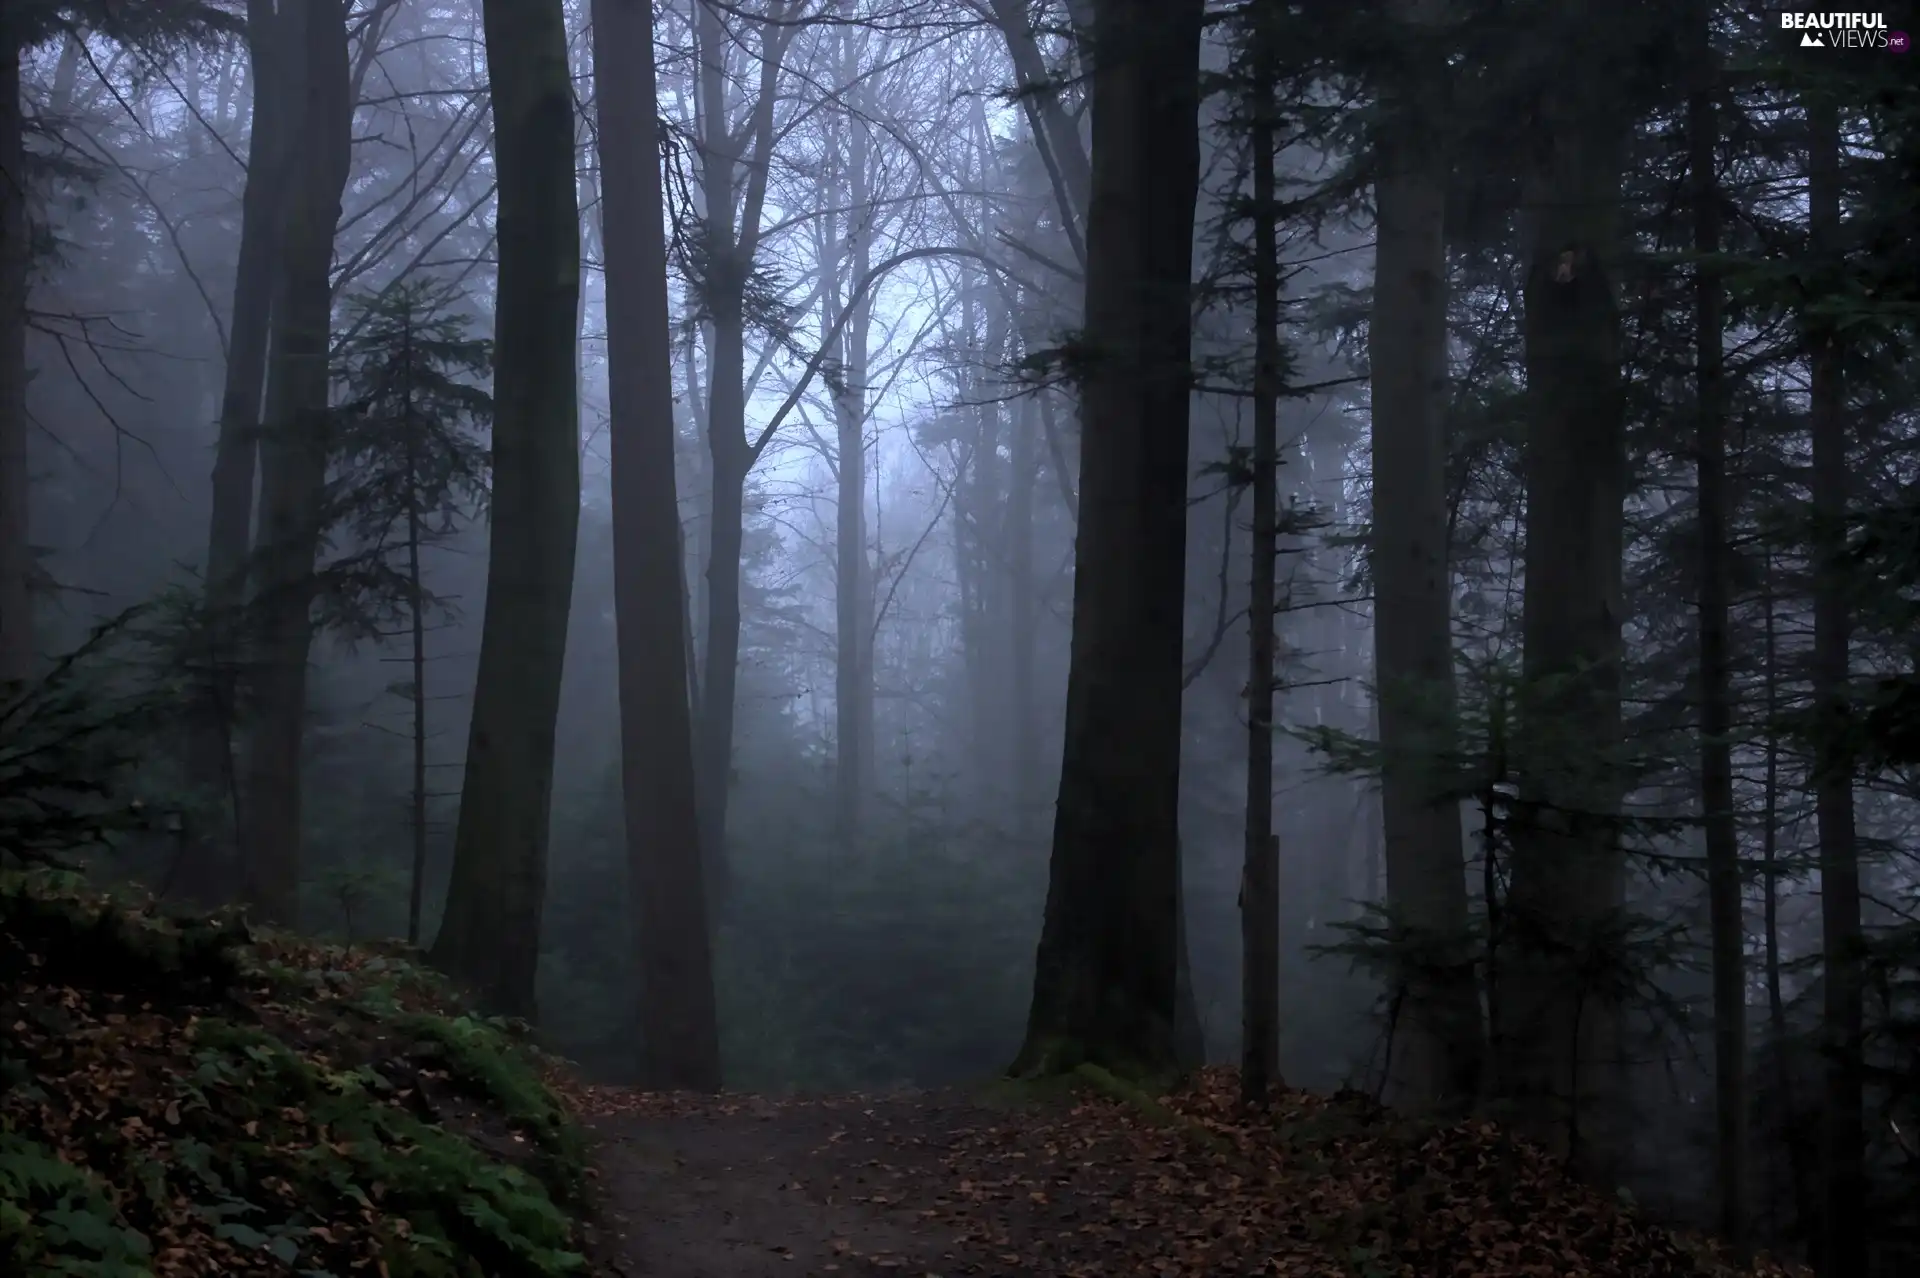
point(1845, 31)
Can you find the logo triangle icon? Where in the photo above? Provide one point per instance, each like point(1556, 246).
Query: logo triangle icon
point(1808, 40)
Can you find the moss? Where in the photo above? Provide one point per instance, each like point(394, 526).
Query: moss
point(205, 1099)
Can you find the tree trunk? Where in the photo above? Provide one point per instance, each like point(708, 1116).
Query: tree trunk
point(731, 249)
point(207, 876)
point(1053, 128)
point(1722, 836)
point(1105, 976)
point(1844, 1230)
point(677, 1012)
point(294, 464)
point(853, 575)
point(1023, 619)
point(1787, 1107)
point(16, 553)
point(417, 619)
point(1260, 875)
point(490, 935)
point(1562, 1056)
point(726, 537)
point(1438, 1048)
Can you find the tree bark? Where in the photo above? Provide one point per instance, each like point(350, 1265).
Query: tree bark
point(16, 554)
point(207, 876)
point(1260, 875)
point(853, 696)
point(1561, 1052)
point(1023, 618)
point(1438, 1043)
point(1722, 836)
point(731, 247)
point(1844, 1179)
point(294, 464)
point(490, 936)
point(1105, 977)
point(417, 625)
point(677, 1011)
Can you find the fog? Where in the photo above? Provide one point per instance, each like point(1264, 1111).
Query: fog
point(877, 224)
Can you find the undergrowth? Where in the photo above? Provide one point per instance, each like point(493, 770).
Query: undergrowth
point(191, 1097)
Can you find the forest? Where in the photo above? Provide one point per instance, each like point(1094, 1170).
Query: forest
point(1042, 637)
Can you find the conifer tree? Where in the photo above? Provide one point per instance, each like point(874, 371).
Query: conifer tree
point(410, 467)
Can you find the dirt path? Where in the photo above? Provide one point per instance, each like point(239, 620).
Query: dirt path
point(789, 1188)
point(1015, 1186)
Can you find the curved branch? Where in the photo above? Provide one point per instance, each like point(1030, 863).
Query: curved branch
point(832, 335)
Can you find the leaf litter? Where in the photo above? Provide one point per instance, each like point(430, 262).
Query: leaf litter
point(1318, 1187)
point(194, 1097)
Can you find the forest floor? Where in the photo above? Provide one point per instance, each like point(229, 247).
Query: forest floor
point(192, 1097)
point(1029, 1185)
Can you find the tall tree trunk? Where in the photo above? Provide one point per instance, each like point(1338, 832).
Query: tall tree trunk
point(726, 540)
point(1844, 1227)
point(677, 1011)
point(1787, 1105)
point(1105, 977)
point(16, 554)
point(853, 575)
point(270, 51)
point(731, 247)
point(294, 463)
point(1260, 875)
point(1568, 882)
point(1023, 618)
point(490, 935)
point(417, 624)
point(1438, 1039)
point(1728, 925)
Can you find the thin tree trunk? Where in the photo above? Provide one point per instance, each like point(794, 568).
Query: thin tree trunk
point(1106, 970)
point(853, 576)
point(1438, 1045)
point(1023, 619)
point(1844, 1229)
point(1728, 925)
point(490, 934)
point(677, 1010)
point(731, 248)
point(1053, 129)
point(1787, 1106)
point(261, 211)
point(726, 537)
point(416, 606)
point(1260, 877)
point(16, 555)
point(294, 465)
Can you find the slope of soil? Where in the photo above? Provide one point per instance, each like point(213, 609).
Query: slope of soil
point(191, 1098)
point(1100, 1187)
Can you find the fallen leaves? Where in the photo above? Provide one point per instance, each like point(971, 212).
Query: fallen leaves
point(188, 1098)
point(1320, 1187)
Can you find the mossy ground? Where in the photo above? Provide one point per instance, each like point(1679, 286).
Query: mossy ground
point(186, 1096)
